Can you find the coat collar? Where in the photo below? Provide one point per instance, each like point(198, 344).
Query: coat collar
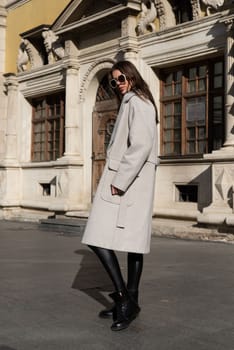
point(128, 96)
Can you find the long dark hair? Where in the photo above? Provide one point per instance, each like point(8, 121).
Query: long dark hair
point(138, 84)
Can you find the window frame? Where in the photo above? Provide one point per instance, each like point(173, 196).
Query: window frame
point(209, 93)
point(53, 134)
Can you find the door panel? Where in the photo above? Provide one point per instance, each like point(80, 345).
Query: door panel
point(103, 124)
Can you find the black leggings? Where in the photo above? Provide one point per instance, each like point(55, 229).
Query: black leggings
point(111, 265)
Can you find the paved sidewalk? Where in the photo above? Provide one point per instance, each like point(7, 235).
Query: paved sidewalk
point(52, 289)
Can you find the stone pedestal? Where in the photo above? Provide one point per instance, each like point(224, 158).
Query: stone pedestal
point(222, 194)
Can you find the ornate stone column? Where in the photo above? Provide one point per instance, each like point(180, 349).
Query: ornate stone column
point(128, 41)
point(73, 132)
point(3, 99)
point(11, 126)
point(69, 166)
point(10, 189)
point(229, 105)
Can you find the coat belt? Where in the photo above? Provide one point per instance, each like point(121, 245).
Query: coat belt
point(121, 219)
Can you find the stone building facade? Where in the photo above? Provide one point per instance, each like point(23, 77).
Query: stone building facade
point(58, 111)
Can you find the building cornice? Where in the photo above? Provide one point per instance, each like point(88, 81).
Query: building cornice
point(39, 81)
point(164, 48)
point(12, 4)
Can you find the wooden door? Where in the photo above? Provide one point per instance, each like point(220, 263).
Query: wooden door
point(103, 124)
point(104, 116)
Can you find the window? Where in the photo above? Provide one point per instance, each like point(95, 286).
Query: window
point(182, 10)
point(48, 128)
point(192, 106)
point(186, 193)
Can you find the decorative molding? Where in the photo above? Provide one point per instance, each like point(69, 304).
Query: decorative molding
point(12, 4)
point(66, 14)
point(89, 20)
point(117, 6)
point(196, 9)
point(91, 72)
point(11, 82)
point(223, 182)
point(3, 16)
point(71, 63)
point(129, 44)
point(49, 78)
point(167, 47)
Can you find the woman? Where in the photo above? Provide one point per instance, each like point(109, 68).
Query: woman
point(121, 214)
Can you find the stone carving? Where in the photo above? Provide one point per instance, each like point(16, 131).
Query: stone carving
point(162, 9)
point(223, 183)
point(196, 9)
point(147, 16)
point(62, 184)
point(152, 9)
point(212, 5)
point(22, 58)
point(54, 48)
point(165, 13)
point(28, 53)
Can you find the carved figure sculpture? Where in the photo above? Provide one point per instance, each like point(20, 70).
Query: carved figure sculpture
point(22, 58)
point(54, 48)
point(165, 13)
point(152, 9)
point(212, 5)
point(28, 53)
point(147, 17)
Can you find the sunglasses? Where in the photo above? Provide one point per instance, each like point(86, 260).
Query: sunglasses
point(121, 79)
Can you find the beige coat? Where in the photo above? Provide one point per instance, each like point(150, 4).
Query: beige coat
point(123, 222)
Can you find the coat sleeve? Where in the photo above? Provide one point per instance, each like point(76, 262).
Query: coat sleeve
point(142, 130)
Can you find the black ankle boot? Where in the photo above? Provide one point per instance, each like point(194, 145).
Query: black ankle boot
point(126, 311)
point(111, 312)
point(107, 313)
point(133, 294)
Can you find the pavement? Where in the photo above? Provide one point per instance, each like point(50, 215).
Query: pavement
point(52, 288)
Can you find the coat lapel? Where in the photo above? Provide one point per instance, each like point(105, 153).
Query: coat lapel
point(125, 100)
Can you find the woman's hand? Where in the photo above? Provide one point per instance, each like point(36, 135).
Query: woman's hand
point(116, 191)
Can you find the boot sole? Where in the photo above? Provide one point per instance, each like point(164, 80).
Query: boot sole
point(126, 325)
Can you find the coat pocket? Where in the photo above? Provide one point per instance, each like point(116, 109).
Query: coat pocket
point(106, 187)
point(113, 164)
point(108, 176)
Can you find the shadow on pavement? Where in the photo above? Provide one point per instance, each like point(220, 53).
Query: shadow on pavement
point(92, 278)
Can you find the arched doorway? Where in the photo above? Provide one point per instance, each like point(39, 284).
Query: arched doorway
point(104, 116)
